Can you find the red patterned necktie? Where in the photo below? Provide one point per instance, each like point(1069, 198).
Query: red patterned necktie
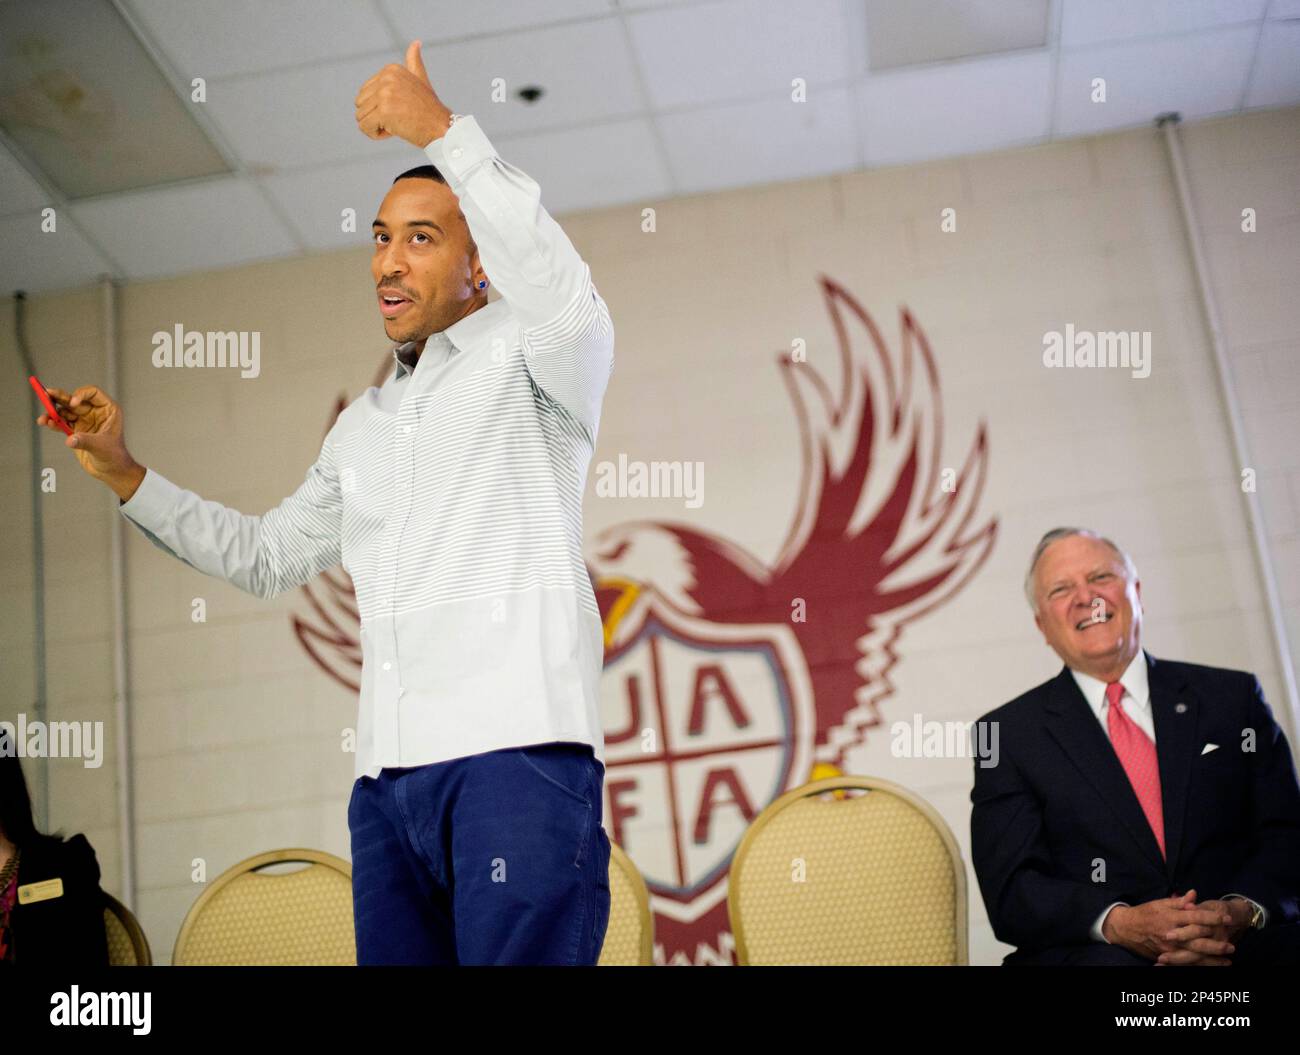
point(1137, 754)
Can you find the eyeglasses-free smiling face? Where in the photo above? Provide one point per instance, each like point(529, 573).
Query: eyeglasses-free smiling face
point(1088, 608)
point(425, 263)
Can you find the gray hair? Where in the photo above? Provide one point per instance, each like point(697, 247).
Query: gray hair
point(1066, 532)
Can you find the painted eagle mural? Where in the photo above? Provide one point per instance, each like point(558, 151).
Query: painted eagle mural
point(729, 679)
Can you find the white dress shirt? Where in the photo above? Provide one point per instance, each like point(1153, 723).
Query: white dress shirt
point(452, 495)
point(1136, 702)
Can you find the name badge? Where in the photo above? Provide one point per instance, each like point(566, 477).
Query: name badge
point(42, 891)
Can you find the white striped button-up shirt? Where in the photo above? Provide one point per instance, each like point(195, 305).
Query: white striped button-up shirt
point(452, 495)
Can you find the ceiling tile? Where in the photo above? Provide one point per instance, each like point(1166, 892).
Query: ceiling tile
point(592, 167)
point(1275, 80)
point(282, 78)
point(414, 20)
point(643, 5)
point(85, 102)
point(38, 262)
point(18, 191)
point(577, 169)
point(585, 69)
point(297, 117)
point(742, 144)
point(913, 32)
point(1086, 22)
point(203, 39)
point(735, 50)
point(1146, 78)
point(313, 198)
point(960, 108)
point(174, 230)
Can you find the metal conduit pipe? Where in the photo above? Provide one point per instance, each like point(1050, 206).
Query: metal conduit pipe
point(1290, 714)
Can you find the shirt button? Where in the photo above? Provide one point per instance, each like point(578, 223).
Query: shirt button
point(388, 666)
point(457, 152)
point(406, 429)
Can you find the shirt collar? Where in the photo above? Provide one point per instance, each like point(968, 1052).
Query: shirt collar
point(1134, 680)
point(464, 335)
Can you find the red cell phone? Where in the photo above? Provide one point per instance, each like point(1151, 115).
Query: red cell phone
point(49, 404)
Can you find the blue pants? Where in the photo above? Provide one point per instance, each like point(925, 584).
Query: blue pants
point(498, 858)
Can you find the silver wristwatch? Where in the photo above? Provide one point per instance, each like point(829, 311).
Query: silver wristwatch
point(1256, 921)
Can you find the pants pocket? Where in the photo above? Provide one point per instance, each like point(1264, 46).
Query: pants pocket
point(567, 767)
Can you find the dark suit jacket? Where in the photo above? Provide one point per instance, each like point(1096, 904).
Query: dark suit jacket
point(64, 931)
point(1058, 803)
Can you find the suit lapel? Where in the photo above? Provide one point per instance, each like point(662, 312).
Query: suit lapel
point(1071, 722)
point(1175, 714)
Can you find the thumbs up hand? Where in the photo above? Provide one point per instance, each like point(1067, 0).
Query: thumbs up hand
point(415, 62)
point(400, 101)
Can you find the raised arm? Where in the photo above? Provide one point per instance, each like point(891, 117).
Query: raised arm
point(567, 334)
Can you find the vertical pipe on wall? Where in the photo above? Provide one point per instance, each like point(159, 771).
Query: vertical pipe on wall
point(41, 806)
point(1168, 124)
point(121, 669)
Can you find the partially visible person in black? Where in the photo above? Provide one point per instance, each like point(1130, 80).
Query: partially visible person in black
point(63, 930)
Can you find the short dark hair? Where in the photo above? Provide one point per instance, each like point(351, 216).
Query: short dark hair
point(16, 822)
point(422, 172)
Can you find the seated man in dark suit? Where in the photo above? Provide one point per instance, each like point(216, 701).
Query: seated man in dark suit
point(1140, 810)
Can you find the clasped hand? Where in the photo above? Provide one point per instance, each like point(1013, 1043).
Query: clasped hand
point(1176, 931)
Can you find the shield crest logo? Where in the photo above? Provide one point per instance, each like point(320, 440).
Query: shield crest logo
point(705, 723)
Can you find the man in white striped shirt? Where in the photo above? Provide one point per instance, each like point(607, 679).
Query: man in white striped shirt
point(453, 497)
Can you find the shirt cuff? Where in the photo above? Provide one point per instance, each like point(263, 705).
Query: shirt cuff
point(152, 502)
point(1256, 904)
point(1097, 934)
point(462, 148)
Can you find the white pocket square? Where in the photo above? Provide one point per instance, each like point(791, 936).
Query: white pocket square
point(1208, 748)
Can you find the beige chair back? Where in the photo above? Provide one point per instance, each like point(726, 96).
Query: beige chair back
point(629, 939)
point(848, 870)
point(127, 945)
point(254, 918)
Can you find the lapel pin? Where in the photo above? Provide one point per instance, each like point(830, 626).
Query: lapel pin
point(1181, 708)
